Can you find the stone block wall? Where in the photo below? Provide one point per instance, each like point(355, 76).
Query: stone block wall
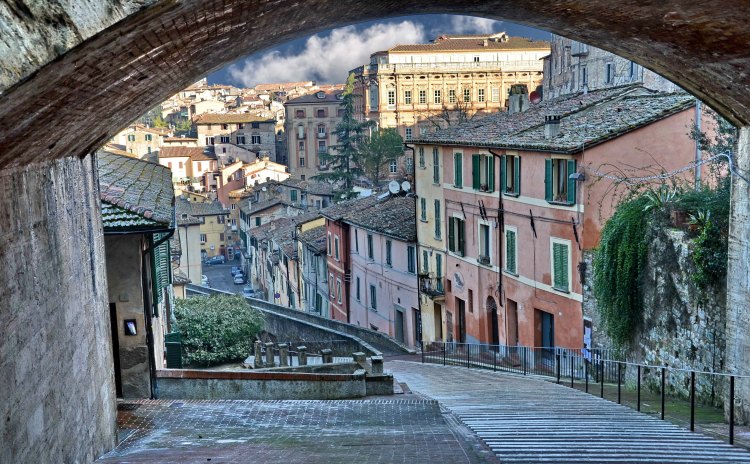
point(56, 370)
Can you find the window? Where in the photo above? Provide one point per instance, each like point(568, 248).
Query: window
point(321, 131)
point(321, 113)
point(322, 148)
point(495, 94)
point(373, 96)
point(388, 251)
point(560, 268)
point(254, 139)
point(203, 238)
point(338, 290)
point(407, 97)
point(220, 219)
point(224, 139)
point(241, 125)
point(370, 251)
point(423, 209)
point(435, 166)
point(330, 279)
point(558, 186)
point(149, 137)
point(483, 172)
point(392, 167)
point(148, 149)
point(510, 251)
point(458, 176)
point(584, 76)
point(257, 221)
point(609, 73)
point(438, 226)
point(169, 165)
point(300, 131)
point(373, 297)
point(336, 247)
point(411, 254)
point(408, 133)
point(425, 262)
point(439, 271)
point(409, 165)
point(221, 237)
point(357, 290)
point(420, 150)
point(480, 95)
point(476, 59)
point(233, 206)
point(299, 114)
point(438, 97)
point(293, 195)
point(241, 140)
point(471, 301)
point(302, 162)
point(510, 175)
point(131, 138)
point(456, 228)
point(209, 140)
point(631, 73)
point(329, 245)
point(467, 95)
point(485, 244)
point(452, 96)
point(391, 98)
point(422, 97)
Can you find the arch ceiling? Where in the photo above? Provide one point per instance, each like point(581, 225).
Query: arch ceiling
point(73, 76)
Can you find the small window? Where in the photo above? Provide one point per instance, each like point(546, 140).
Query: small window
point(225, 126)
point(322, 148)
point(485, 244)
point(338, 290)
point(510, 175)
point(321, 131)
point(149, 137)
point(480, 95)
point(609, 73)
point(407, 97)
point(438, 226)
point(388, 256)
point(391, 98)
point(209, 141)
point(257, 221)
point(467, 95)
point(560, 266)
point(299, 114)
point(495, 94)
point(420, 150)
point(255, 139)
point(631, 72)
point(510, 251)
point(438, 97)
point(373, 298)
point(329, 244)
point(356, 241)
point(393, 167)
point(422, 97)
point(131, 138)
point(302, 162)
point(411, 254)
point(241, 125)
point(452, 96)
point(483, 172)
point(476, 58)
point(435, 166)
point(584, 76)
point(336, 247)
point(408, 133)
point(456, 233)
point(357, 290)
point(203, 238)
point(240, 140)
point(321, 113)
point(224, 139)
point(425, 262)
point(423, 209)
point(458, 177)
point(409, 165)
point(293, 195)
point(559, 187)
point(370, 250)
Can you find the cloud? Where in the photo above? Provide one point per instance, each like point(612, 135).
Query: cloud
point(474, 25)
point(326, 58)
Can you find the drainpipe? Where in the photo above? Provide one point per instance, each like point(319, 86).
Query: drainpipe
point(416, 226)
point(501, 228)
point(697, 144)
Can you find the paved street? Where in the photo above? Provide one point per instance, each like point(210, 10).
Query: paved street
point(529, 420)
point(220, 277)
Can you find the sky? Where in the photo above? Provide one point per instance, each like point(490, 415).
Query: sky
point(327, 57)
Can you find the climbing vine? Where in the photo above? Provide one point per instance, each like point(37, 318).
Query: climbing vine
point(618, 264)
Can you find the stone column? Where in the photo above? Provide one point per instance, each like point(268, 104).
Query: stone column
point(327, 356)
point(269, 355)
point(258, 354)
point(283, 355)
point(359, 357)
point(738, 281)
point(302, 355)
point(377, 365)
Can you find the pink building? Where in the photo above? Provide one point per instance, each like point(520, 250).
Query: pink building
point(383, 286)
point(526, 195)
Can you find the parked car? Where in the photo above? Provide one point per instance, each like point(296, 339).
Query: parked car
point(219, 259)
point(239, 278)
point(204, 280)
point(235, 270)
point(248, 292)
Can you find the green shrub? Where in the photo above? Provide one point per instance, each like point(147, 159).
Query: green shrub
point(216, 329)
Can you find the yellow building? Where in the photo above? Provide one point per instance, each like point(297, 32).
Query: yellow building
point(410, 86)
point(213, 217)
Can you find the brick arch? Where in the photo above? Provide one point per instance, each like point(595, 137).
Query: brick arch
point(81, 76)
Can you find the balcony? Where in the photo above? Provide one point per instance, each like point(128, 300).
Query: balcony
point(515, 65)
point(432, 287)
point(321, 135)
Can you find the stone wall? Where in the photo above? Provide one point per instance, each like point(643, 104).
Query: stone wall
point(56, 369)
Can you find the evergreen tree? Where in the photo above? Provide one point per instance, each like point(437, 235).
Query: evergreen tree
point(378, 150)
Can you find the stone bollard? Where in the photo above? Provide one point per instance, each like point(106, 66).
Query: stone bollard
point(377, 365)
point(269, 355)
point(359, 358)
point(302, 355)
point(283, 355)
point(327, 356)
point(258, 354)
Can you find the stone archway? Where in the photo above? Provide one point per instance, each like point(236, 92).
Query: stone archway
point(75, 72)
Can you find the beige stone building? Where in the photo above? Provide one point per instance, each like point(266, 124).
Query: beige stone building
point(140, 140)
point(311, 122)
point(245, 130)
point(410, 86)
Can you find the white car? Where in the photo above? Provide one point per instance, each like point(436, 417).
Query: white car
point(204, 280)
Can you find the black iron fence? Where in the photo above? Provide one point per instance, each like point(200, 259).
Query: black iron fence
point(680, 395)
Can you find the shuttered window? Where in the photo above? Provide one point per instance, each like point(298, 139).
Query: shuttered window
point(510, 175)
point(458, 176)
point(423, 209)
point(558, 186)
point(510, 251)
point(560, 267)
point(435, 166)
point(483, 172)
point(438, 226)
point(161, 266)
point(456, 229)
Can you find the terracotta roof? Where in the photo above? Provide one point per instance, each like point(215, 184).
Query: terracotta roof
point(116, 150)
point(135, 194)
point(586, 120)
point(283, 85)
point(315, 238)
point(475, 43)
point(212, 118)
point(213, 208)
point(194, 153)
point(394, 216)
point(340, 210)
point(180, 139)
point(183, 211)
point(330, 97)
point(310, 186)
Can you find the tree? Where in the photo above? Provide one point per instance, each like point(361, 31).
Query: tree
point(216, 329)
point(160, 122)
point(344, 158)
point(378, 150)
point(454, 115)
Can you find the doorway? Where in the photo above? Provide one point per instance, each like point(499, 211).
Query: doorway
point(511, 308)
point(399, 315)
point(438, 321)
point(461, 308)
point(417, 327)
point(115, 348)
point(494, 329)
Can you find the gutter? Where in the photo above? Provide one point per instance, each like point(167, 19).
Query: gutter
point(501, 228)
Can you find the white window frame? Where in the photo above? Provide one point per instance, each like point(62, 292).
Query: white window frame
point(490, 248)
point(393, 167)
point(408, 131)
point(422, 97)
point(437, 96)
point(451, 96)
point(391, 98)
point(407, 97)
point(480, 95)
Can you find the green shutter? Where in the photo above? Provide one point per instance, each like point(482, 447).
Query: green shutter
point(490, 173)
point(475, 171)
point(560, 262)
point(438, 226)
point(517, 176)
point(548, 179)
point(293, 195)
point(503, 184)
point(451, 234)
point(510, 251)
point(461, 236)
point(458, 180)
point(571, 182)
point(423, 206)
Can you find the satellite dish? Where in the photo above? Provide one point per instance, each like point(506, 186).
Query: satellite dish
point(393, 187)
point(405, 186)
point(263, 189)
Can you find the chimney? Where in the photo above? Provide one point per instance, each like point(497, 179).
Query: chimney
point(551, 126)
point(485, 43)
point(518, 100)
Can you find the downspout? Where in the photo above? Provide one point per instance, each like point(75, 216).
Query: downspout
point(416, 227)
point(697, 144)
point(501, 228)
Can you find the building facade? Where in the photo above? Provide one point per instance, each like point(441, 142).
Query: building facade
point(245, 130)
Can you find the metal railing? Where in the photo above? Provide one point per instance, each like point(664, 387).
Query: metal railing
point(679, 395)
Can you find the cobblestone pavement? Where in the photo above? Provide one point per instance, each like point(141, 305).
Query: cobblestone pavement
point(523, 419)
point(401, 429)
